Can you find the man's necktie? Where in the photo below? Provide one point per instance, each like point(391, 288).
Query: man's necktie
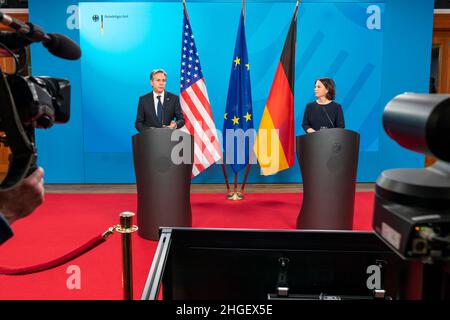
point(160, 110)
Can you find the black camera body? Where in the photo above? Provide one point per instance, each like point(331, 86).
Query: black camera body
point(41, 101)
point(27, 103)
point(412, 205)
point(412, 212)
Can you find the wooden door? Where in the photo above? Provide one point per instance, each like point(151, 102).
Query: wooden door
point(8, 66)
point(440, 65)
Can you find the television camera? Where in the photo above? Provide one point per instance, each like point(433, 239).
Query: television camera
point(412, 206)
point(29, 102)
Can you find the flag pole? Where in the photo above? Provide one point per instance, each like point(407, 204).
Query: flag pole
point(224, 170)
point(296, 8)
point(247, 170)
point(185, 9)
point(240, 195)
point(235, 195)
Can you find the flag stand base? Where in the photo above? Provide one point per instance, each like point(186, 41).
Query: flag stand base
point(235, 196)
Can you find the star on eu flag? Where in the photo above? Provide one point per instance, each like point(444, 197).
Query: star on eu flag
point(235, 120)
point(248, 117)
point(248, 66)
point(237, 61)
point(225, 116)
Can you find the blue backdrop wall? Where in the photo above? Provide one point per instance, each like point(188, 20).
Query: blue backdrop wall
point(373, 49)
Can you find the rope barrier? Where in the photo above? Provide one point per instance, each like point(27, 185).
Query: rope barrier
point(126, 228)
point(88, 246)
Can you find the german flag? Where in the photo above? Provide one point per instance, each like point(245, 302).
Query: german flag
point(275, 145)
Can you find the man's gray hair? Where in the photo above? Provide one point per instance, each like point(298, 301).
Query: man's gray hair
point(157, 71)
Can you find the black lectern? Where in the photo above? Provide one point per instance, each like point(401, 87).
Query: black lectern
point(328, 161)
point(163, 183)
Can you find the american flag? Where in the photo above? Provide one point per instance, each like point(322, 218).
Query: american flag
point(195, 104)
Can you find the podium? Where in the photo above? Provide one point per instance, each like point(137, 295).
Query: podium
point(163, 187)
point(328, 162)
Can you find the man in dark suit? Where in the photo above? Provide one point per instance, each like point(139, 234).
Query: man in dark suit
point(159, 107)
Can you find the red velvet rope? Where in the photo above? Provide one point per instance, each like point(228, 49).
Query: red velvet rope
point(56, 262)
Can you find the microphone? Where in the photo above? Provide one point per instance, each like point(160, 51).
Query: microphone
point(57, 44)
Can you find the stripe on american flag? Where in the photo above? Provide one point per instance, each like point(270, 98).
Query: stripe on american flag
point(197, 126)
point(195, 104)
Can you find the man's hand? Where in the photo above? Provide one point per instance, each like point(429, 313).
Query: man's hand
point(24, 198)
point(173, 125)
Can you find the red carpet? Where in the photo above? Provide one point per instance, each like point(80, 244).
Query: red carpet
point(66, 221)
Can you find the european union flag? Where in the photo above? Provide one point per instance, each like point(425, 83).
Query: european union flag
point(238, 131)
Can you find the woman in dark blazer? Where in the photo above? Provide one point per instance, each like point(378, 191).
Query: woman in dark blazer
point(323, 113)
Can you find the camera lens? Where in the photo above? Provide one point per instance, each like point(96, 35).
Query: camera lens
point(420, 122)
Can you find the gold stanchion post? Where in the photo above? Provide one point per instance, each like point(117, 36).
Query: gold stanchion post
point(126, 228)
